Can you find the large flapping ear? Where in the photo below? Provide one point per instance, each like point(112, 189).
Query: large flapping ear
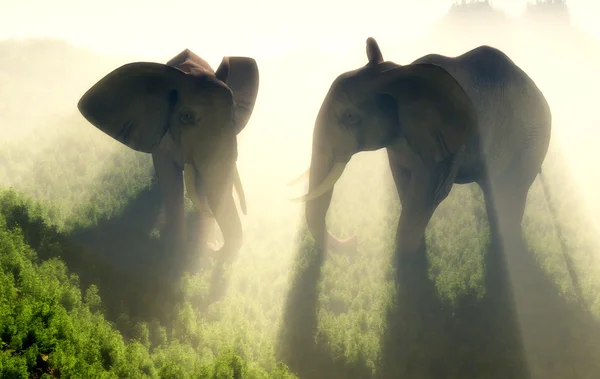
point(435, 113)
point(243, 79)
point(223, 70)
point(373, 52)
point(133, 103)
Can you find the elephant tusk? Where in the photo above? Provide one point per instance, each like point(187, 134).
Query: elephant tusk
point(303, 176)
point(325, 185)
point(237, 183)
point(189, 177)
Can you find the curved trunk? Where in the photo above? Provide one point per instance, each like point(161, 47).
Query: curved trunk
point(228, 220)
point(218, 189)
point(190, 177)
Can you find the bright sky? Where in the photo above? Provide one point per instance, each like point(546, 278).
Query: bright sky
point(257, 28)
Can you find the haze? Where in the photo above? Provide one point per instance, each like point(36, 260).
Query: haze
point(300, 48)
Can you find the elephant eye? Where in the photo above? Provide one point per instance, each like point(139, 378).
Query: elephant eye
point(350, 118)
point(186, 116)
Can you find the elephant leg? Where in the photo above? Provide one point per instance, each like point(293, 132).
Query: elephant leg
point(505, 201)
point(416, 335)
point(508, 263)
point(417, 210)
point(510, 278)
point(421, 190)
point(170, 180)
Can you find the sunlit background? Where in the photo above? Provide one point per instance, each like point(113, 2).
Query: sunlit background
point(300, 48)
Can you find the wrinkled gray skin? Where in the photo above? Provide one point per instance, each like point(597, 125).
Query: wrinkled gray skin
point(476, 117)
point(187, 116)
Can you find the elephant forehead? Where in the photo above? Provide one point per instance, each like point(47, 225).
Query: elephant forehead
point(362, 79)
point(194, 69)
point(348, 93)
point(198, 88)
point(354, 85)
point(187, 57)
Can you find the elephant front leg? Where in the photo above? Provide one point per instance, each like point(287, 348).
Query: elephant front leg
point(417, 210)
point(417, 326)
point(421, 189)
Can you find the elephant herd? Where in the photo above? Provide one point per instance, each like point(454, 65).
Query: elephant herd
point(476, 117)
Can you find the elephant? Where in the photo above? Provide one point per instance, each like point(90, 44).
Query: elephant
point(472, 118)
point(187, 116)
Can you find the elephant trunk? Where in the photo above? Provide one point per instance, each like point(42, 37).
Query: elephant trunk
point(325, 169)
point(316, 209)
point(323, 174)
point(228, 219)
point(218, 186)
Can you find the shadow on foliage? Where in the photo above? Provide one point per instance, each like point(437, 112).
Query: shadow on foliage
point(426, 338)
point(546, 336)
point(153, 267)
point(125, 239)
point(218, 285)
point(134, 272)
point(304, 351)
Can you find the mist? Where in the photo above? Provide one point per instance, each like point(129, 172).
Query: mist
point(49, 152)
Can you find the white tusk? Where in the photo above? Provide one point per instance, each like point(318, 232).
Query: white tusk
point(303, 176)
point(189, 177)
point(237, 183)
point(325, 185)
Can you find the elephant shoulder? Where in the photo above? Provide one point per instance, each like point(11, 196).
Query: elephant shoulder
point(489, 65)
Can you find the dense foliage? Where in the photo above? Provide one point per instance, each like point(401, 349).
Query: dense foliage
point(50, 328)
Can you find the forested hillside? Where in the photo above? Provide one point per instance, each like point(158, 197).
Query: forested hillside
point(86, 289)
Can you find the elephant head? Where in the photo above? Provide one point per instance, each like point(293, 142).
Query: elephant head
point(199, 109)
point(374, 107)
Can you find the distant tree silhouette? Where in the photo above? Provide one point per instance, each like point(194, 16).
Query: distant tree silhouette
point(552, 11)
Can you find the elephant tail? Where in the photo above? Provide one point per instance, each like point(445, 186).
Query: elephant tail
point(563, 245)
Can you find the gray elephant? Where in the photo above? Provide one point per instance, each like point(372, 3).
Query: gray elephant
point(476, 117)
point(188, 117)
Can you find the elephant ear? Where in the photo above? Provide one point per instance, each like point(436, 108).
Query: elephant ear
point(373, 51)
point(435, 113)
point(133, 103)
point(243, 79)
